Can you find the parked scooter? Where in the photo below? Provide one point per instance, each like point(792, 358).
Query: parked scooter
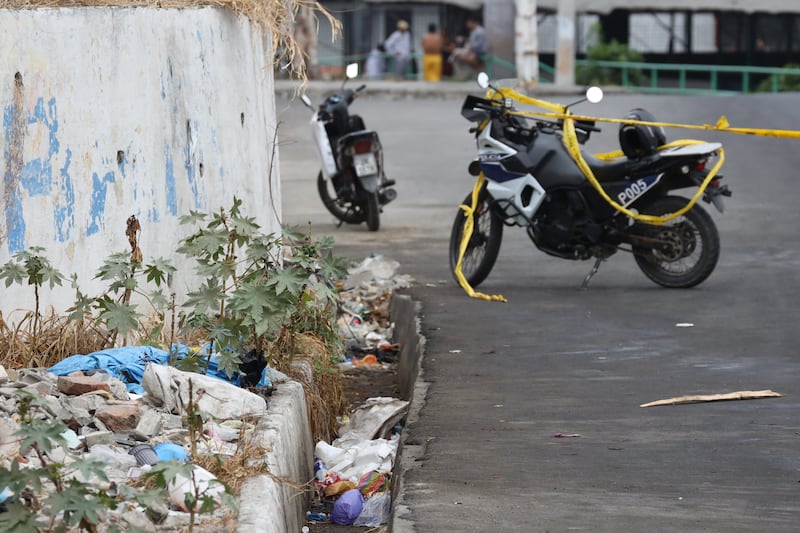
point(529, 176)
point(352, 183)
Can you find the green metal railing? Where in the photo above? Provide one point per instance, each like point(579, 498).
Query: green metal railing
point(656, 72)
point(659, 77)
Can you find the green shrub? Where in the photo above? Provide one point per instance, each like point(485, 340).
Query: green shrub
point(593, 74)
point(785, 82)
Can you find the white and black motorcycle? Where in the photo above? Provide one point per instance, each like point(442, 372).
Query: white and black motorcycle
point(352, 183)
point(529, 176)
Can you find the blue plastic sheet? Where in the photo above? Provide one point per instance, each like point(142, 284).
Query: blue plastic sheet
point(127, 364)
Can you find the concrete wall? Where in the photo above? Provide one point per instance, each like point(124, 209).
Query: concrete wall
point(112, 112)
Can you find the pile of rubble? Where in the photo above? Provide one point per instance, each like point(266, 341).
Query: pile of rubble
point(127, 432)
point(126, 408)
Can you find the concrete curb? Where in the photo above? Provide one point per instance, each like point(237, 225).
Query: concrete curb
point(404, 312)
point(271, 503)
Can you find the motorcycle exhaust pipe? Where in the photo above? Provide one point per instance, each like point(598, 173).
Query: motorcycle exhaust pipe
point(386, 195)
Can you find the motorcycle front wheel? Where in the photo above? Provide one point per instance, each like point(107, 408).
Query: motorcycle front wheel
point(341, 209)
point(686, 248)
point(484, 244)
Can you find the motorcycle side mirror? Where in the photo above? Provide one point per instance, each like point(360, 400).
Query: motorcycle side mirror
point(351, 71)
point(483, 80)
point(594, 94)
point(307, 101)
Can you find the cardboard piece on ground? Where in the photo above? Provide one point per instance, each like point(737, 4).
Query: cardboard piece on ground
point(739, 395)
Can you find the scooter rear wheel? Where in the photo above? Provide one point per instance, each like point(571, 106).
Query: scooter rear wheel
point(341, 209)
point(373, 212)
point(484, 244)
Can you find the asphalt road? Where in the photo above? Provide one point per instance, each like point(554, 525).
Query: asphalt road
point(505, 378)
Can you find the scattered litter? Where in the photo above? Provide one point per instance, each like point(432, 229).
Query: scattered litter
point(144, 455)
point(167, 451)
point(368, 359)
point(375, 511)
point(375, 418)
point(739, 395)
point(684, 325)
point(202, 482)
point(454, 351)
point(347, 507)
point(566, 435)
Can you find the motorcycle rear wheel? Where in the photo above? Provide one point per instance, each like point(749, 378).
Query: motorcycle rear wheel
point(688, 249)
point(341, 209)
point(484, 245)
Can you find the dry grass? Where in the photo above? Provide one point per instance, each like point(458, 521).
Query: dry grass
point(277, 17)
point(56, 339)
point(324, 393)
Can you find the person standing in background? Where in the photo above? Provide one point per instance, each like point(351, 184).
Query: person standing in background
point(432, 46)
point(477, 46)
point(399, 45)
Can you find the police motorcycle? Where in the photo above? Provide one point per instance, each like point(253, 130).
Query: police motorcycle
point(352, 183)
point(534, 173)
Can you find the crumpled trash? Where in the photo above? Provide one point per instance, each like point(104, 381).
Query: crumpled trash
point(375, 417)
point(376, 270)
point(357, 456)
point(375, 511)
point(167, 451)
point(347, 508)
point(168, 388)
point(374, 482)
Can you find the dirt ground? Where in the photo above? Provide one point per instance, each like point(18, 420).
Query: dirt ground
point(361, 383)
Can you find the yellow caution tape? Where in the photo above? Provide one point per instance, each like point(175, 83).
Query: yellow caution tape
point(560, 112)
point(573, 147)
point(466, 235)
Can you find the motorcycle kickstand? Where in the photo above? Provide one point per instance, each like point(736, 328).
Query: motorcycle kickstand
point(590, 275)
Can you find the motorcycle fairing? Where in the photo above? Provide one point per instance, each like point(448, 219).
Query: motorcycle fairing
point(517, 194)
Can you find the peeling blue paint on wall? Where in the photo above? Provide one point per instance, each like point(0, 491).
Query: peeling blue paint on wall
point(36, 176)
point(65, 208)
point(99, 191)
point(169, 182)
point(15, 224)
point(190, 157)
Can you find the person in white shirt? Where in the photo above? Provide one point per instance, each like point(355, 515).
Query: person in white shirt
point(399, 45)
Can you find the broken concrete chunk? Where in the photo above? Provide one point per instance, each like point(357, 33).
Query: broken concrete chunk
point(9, 441)
point(148, 426)
point(119, 417)
point(98, 437)
point(75, 385)
point(117, 387)
point(82, 416)
point(3, 375)
point(170, 421)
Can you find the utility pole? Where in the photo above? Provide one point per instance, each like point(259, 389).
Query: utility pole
point(565, 52)
point(526, 37)
point(498, 18)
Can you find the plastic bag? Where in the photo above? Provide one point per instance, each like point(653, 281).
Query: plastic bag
point(375, 511)
point(347, 508)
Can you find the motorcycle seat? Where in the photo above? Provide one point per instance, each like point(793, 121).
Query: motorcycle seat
point(615, 169)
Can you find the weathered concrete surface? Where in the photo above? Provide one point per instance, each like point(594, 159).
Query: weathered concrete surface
point(113, 112)
point(276, 502)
